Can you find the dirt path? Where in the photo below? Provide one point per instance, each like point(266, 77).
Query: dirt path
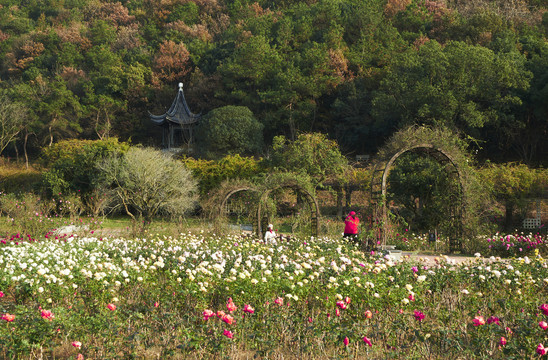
point(452, 259)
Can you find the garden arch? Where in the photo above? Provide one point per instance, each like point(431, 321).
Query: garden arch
point(417, 139)
point(226, 197)
point(307, 196)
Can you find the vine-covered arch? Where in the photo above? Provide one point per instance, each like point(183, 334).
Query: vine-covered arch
point(222, 205)
point(214, 206)
point(443, 146)
point(306, 195)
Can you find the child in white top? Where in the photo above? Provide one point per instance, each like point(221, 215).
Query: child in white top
point(270, 235)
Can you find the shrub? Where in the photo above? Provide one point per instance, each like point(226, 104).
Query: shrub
point(312, 154)
point(512, 185)
point(146, 183)
point(516, 244)
point(69, 166)
point(211, 173)
point(229, 130)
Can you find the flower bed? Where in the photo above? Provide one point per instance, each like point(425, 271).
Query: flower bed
point(201, 295)
point(503, 245)
point(519, 244)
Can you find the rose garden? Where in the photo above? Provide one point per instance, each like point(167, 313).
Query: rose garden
point(125, 266)
point(349, 179)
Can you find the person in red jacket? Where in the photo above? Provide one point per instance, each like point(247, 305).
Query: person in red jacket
point(351, 223)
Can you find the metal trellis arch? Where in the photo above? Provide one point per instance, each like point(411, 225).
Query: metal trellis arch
point(315, 212)
point(379, 182)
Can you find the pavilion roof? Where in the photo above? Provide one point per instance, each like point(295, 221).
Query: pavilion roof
point(178, 113)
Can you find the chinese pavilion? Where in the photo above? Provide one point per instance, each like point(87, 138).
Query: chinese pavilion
point(177, 123)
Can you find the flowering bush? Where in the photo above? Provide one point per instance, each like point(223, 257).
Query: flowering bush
point(202, 295)
point(517, 244)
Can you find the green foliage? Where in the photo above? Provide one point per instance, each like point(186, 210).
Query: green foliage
point(188, 13)
point(312, 154)
point(354, 70)
point(513, 184)
point(421, 185)
point(211, 173)
point(11, 120)
point(70, 167)
point(229, 130)
point(513, 181)
point(458, 86)
point(146, 183)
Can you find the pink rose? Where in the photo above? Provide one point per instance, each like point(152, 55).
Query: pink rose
point(418, 315)
point(341, 305)
point(493, 319)
point(478, 321)
point(228, 334)
point(8, 317)
point(228, 319)
point(77, 344)
point(230, 305)
point(207, 314)
point(47, 314)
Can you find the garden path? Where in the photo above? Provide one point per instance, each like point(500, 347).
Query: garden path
point(428, 259)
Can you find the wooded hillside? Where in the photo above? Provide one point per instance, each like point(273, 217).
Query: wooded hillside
point(352, 69)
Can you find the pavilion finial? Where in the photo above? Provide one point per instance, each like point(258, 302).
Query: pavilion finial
point(180, 86)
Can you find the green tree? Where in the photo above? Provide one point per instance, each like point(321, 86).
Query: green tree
point(352, 107)
point(313, 154)
point(12, 116)
point(68, 165)
point(229, 130)
point(528, 137)
point(146, 183)
point(512, 184)
point(460, 86)
point(60, 109)
point(100, 112)
point(250, 70)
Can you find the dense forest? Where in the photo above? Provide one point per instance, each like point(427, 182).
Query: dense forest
point(355, 70)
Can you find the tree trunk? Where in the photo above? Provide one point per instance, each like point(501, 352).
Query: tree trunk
point(25, 149)
point(509, 215)
point(292, 130)
point(339, 202)
point(16, 151)
point(50, 137)
point(348, 193)
point(420, 206)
